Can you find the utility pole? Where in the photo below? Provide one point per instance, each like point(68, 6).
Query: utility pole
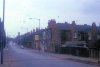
point(2, 29)
point(39, 24)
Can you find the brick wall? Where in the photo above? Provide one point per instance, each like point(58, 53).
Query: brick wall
point(93, 33)
point(73, 31)
point(55, 34)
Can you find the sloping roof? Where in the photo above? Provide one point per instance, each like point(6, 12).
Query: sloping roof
point(42, 30)
point(63, 26)
point(84, 28)
point(67, 26)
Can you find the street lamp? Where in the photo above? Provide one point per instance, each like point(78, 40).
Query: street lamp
point(36, 19)
point(37, 36)
point(25, 28)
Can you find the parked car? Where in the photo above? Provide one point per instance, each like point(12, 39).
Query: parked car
point(22, 46)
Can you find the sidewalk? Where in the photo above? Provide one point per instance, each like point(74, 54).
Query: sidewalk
point(70, 57)
point(9, 60)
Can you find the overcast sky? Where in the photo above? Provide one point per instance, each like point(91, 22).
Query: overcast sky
point(18, 12)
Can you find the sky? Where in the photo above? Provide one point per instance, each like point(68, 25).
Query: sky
point(19, 12)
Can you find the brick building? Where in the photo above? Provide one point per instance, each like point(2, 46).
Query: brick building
point(60, 34)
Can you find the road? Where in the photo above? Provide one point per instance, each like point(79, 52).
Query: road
point(25, 58)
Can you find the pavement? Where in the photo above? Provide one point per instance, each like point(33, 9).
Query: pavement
point(88, 60)
point(10, 61)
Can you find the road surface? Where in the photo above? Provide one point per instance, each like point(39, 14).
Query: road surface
point(25, 58)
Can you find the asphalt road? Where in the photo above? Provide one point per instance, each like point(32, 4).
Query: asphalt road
point(25, 58)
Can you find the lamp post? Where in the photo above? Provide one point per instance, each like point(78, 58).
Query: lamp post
point(38, 20)
point(37, 36)
point(2, 37)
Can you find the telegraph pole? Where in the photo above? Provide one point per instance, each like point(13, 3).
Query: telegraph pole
point(2, 44)
point(3, 10)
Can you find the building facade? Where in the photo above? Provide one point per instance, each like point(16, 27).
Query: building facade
point(58, 35)
point(66, 34)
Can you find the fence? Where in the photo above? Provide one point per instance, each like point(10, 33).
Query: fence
point(92, 53)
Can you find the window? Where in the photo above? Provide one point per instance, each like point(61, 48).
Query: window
point(89, 34)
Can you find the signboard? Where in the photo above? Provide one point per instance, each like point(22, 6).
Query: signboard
point(75, 35)
point(36, 37)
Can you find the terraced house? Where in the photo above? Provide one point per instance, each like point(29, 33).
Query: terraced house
point(58, 35)
point(65, 34)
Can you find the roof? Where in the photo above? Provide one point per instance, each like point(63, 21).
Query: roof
point(84, 28)
point(63, 26)
point(67, 26)
point(42, 30)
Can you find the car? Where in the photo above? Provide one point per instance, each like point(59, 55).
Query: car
point(22, 46)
